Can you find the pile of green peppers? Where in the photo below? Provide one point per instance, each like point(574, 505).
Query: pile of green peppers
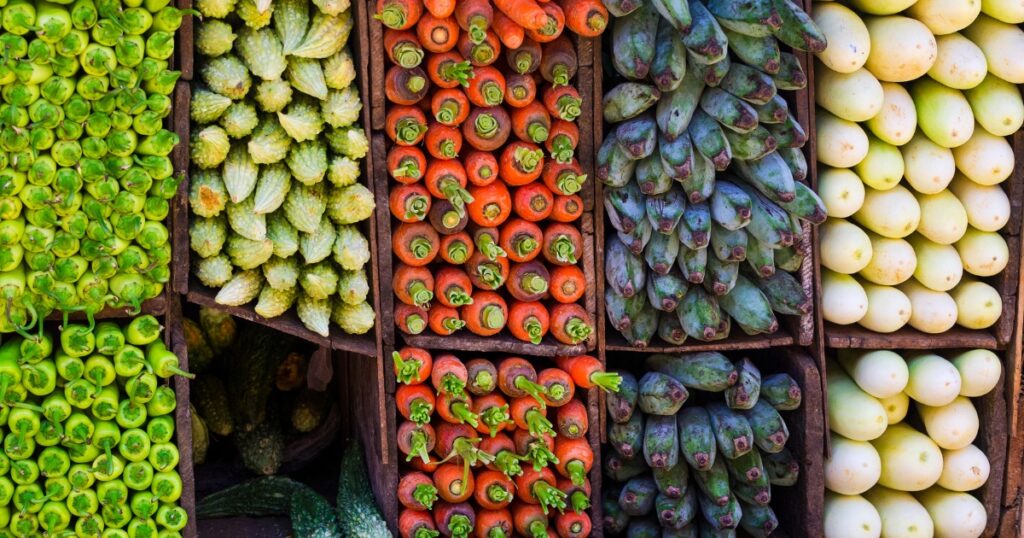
point(87, 430)
point(85, 172)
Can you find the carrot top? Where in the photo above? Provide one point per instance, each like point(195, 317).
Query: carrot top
point(412, 365)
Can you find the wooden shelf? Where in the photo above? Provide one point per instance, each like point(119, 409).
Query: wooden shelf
point(501, 343)
point(156, 306)
point(615, 342)
point(855, 336)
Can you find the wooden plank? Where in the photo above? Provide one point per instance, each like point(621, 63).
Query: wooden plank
point(180, 248)
point(184, 46)
point(615, 342)
point(547, 348)
point(855, 336)
point(156, 306)
point(174, 337)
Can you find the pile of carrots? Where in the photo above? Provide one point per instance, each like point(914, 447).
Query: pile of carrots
point(485, 179)
point(494, 449)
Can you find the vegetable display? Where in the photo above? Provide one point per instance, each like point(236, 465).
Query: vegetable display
point(707, 469)
point(704, 170)
point(486, 186)
point(275, 195)
point(494, 448)
point(887, 474)
point(85, 176)
point(88, 437)
point(913, 114)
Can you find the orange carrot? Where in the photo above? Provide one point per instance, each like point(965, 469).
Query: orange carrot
point(412, 365)
point(538, 487)
point(487, 129)
point(562, 102)
point(409, 203)
point(415, 402)
point(528, 321)
point(571, 420)
point(528, 415)
point(413, 284)
point(449, 106)
point(487, 274)
point(483, 377)
point(493, 523)
point(587, 18)
point(446, 219)
point(405, 125)
point(535, 449)
point(529, 520)
point(452, 287)
point(480, 54)
point(564, 179)
point(403, 48)
point(567, 283)
point(533, 202)
point(448, 375)
point(456, 410)
point(416, 524)
point(399, 14)
point(587, 372)
point(525, 13)
point(563, 244)
point(475, 18)
point(559, 388)
point(554, 24)
point(440, 8)
point(456, 248)
point(531, 123)
point(447, 179)
point(415, 243)
point(562, 140)
point(448, 479)
point(487, 87)
point(526, 59)
point(437, 34)
point(448, 69)
point(493, 412)
point(416, 440)
point(410, 319)
point(575, 458)
point(481, 167)
point(491, 205)
point(424, 467)
point(444, 321)
point(573, 525)
point(520, 90)
point(487, 315)
point(504, 451)
point(558, 62)
point(521, 163)
point(406, 164)
point(517, 379)
point(521, 240)
point(455, 520)
point(416, 491)
point(511, 34)
point(567, 208)
point(579, 496)
point(493, 490)
point(570, 323)
point(442, 141)
point(528, 281)
point(486, 241)
point(405, 86)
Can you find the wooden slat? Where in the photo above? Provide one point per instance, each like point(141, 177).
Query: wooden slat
point(174, 337)
point(156, 306)
point(185, 45)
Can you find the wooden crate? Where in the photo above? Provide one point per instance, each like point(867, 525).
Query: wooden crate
point(184, 283)
point(588, 86)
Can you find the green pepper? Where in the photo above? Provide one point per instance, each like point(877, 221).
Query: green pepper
point(163, 82)
point(103, 190)
point(143, 330)
point(84, 14)
point(66, 152)
point(35, 196)
point(77, 109)
point(107, 468)
point(54, 517)
point(69, 270)
point(11, 231)
point(130, 51)
point(6, 490)
point(130, 290)
point(138, 475)
point(164, 401)
point(130, 415)
point(18, 448)
point(105, 438)
point(40, 51)
point(172, 517)
point(10, 207)
point(72, 44)
point(79, 428)
point(65, 245)
point(144, 504)
point(68, 131)
point(93, 87)
point(28, 498)
point(41, 138)
point(142, 528)
point(69, 368)
point(114, 533)
point(122, 143)
point(104, 267)
point(156, 208)
point(53, 22)
point(160, 429)
point(163, 456)
point(100, 370)
point(106, 404)
point(40, 378)
point(19, 17)
point(36, 348)
point(167, 486)
point(13, 46)
point(133, 259)
point(98, 60)
point(57, 487)
point(83, 502)
point(44, 217)
point(105, 104)
point(53, 462)
point(94, 147)
point(134, 445)
point(160, 143)
point(160, 255)
point(158, 167)
point(45, 114)
point(137, 181)
point(127, 226)
point(89, 526)
point(164, 362)
point(5, 466)
point(109, 338)
point(24, 525)
point(49, 434)
point(24, 472)
point(78, 340)
point(130, 361)
point(43, 171)
point(80, 476)
point(121, 120)
point(112, 492)
point(141, 388)
point(11, 257)
point(24, 423)
point(115, 514)
point(10, 372)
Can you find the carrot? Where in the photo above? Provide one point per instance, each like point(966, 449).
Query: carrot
point(405, 86)
point(535, 449)
point(487, 274)
point(493, 412)
point(449, 106)
point(456, 248)
point(455, 520)
point(491, 205)
point(562, 102)
point(572, 525)
point(406, 164)
point(409, 203)
point(563, 244)
point(528, 415)
point(571, 419)
point(575, 459)
point(531, 123)
point(487, 87)
point(486, 240)
point(533, 202)
point(487, 129)
point(528, 281)
point(452, 484)
point(493, 490)
point(457, 410)
point(494, 523)
point(416, 440)
point(448, 375)
point(474, 17)
point(399, 14)
point(554, 24)
point(403, 48)
point(587, 18)
point(444, 321)
point(440, 8)
point(481, 168)
point(587, 372)
point(558, 62)
point(483, 377)
point(510, 33)
point(405, 125)
point(529, 520)
point(525, 13)
point(528, 321)
point(410, 319)
point(567, 283)
point(480, 54)
point(567, 208)
point(415, 243)
point(526, 59)
point(570, 324)
point(521, 163)
point(562, 140)
point(413, 285)
point(437, 34)
point(442, 141)
point(487, 315)
point(517, 379)
point(416, 491)
point(423, 467)
point(448, 69)
point(538, 487)
point(452, 287)
point(503, 449)
point(447, 179)
point(521, 240)
point(558, 386)
point(520, 90)
point(412, 365)
point(416, 524)
point(579, 496)
point(446, 219)
point(415, 402)
point(564, 179)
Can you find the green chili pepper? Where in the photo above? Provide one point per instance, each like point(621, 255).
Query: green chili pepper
point(105, 406)
point(65, 245)
point(53, 462)
point(66, 152)
point(160, 429)
point(104, 267)
point(134, 445)
point(68, 131)
point(100, 370)
point(130, 361)
point(5, 468)
point(143, 330)
point(40, 378)
point(89, 526)
point(130, 290)
point(77, 340)
point(121, 120)
point(141, 528)
point(93, 87)
point(144, 504)
point(105, 104)
point(94, 147)
point(24, 423)
point(84, 454)
point(49, 434)
point(6, 490)
point(127, 226)
point(107, 468)
point(160, 255)
point(80, 476)
point(141, 388)
point(69, 270)
point(65, 66)
point(54, 517)
point(35, 196)
point(11, 182)
point(84, 14)
point(44, 217)
point(28, 498)
point(43, 171)
point(11, 257)
point(152, 235)
point(131, 415)
point(159, 168)
point(138, 475)
point(24, 472)
point(69, 368)
point(163, 456)
point(11, 231)
point(10, 372)
point(24, 525)
point(160, 143)
point(115, 514)
point(172, 517)
point(162, 83)
point(57, 487)
point(98, 60)
point(112, 492)
point(114, 533)
point(164, 401)
point(156, 209)
point(164, 362)
point(130, 51)
point(79, 428)
point(83, 502)
point(41, 138)
point(167, 486)
point(18, 448)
